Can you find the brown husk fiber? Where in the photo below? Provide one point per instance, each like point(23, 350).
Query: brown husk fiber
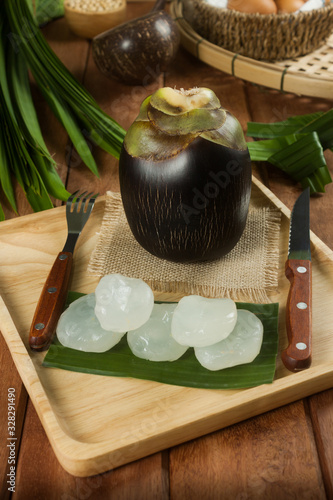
point(269, 37)
point(247, 273)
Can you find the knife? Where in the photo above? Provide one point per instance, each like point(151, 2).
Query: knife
point(297, 356)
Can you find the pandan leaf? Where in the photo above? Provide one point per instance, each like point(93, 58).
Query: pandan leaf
point(323, 126)
point(299, 155)
point(54, 79)
point(21, 97)
point(120, 362)
point(301, 158)
point(38, 201)
point(263, 150)
point(278, 129)
point(5, 174)
point(296, 146)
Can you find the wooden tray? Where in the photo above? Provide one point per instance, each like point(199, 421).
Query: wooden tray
point(310, 75)
point(96, 423)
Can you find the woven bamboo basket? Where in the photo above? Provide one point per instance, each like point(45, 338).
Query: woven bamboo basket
point(269, 37)
point(309, 75)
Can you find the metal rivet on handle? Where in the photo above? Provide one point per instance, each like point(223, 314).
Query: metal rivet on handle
point(39, 326)
point(301, 346)
point(52, 289)
point(301, 269)
point(302, 305)
point(63, 256)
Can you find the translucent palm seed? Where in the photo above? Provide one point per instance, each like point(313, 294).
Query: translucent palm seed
point(153, 340)
point(122, 303)
point(241, 346)
point(78, 328)
point(198, 321)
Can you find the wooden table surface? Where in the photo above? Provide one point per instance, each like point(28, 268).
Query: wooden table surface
point(283, 454)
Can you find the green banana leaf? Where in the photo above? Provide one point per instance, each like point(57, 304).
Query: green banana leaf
point(186, 371)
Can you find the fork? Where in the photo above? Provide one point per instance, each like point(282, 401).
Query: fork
point(53, 296)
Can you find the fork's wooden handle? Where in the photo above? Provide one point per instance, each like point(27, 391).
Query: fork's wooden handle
point(51, 303)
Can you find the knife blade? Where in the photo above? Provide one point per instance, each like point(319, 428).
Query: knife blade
point(297, 356)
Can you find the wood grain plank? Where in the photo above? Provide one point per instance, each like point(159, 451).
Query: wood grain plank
point(140, 480)
point(321, 413)
point(9, 379)
point(268, 457)
point(38, 467)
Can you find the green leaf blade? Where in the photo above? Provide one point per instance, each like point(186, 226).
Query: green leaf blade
point(5, 171)
point(265, 149)
point(38, 200)
point(64, 115)
point(290, 126)
point(21, 96)
point(50, 177)
point(2, 214)
point(323, 126)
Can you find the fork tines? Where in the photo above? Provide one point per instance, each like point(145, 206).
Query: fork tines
point(82, 202)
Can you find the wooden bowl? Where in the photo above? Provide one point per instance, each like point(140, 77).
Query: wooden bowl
point(88, 24)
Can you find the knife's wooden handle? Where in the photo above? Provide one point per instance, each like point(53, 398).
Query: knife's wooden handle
point(51, 303)
point(297, 356)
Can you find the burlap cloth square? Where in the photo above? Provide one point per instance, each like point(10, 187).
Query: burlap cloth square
point(249, 271)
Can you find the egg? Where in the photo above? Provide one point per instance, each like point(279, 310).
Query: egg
point(253, 6)
point(288, 6)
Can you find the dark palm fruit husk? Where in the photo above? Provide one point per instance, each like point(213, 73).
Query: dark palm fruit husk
point(138, 51)
point(185, 189)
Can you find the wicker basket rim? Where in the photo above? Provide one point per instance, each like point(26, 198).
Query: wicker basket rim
point(285, 76)
point(294, 15)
